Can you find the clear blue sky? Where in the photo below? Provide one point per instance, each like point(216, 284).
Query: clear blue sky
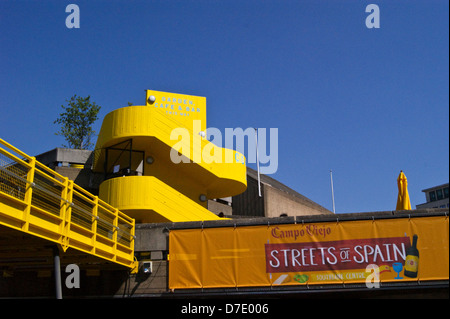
point(365, 103)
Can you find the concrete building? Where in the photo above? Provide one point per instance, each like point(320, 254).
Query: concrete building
point(74, 164)
point(33, 275)
point(277, 199)
point(436, 197)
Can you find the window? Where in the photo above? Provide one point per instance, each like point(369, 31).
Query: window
point(432, 196)
point(446, 192)
point(122, 160)
point(439, 194)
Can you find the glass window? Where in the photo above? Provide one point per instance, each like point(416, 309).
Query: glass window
point(432, 196)
point(446, 192)
point(439, 194)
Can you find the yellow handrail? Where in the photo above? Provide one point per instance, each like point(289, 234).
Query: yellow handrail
point(37, 200)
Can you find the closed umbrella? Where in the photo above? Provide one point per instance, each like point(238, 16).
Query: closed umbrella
point(403, 202)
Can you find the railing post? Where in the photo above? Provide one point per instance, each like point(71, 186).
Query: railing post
point(95, 222)
point(132, 243)
point(29, 193)
point(116, 231)
point(133, 233)
point(65, 213)
point(69, 207)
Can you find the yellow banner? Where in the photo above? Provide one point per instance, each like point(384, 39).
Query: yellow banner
point(385, 250)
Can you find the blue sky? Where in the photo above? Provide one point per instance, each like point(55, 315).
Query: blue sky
point(365, 103)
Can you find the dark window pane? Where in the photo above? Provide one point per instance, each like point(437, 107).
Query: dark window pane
point(432, 196)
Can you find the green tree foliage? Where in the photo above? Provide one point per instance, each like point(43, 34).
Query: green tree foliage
point(76, 122)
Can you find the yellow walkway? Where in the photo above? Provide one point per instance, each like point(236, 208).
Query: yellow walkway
point(40, 202)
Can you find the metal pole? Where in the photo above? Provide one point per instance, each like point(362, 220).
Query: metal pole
point(332, 191)
point(57, 264)
point(257, 162)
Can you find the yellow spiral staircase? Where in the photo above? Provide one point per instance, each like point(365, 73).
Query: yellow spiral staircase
point(158, 165)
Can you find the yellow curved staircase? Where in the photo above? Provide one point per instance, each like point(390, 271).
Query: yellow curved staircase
point(162, 169)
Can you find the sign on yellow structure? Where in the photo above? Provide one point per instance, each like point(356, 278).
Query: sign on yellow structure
point(313, 253)
point(182, 108)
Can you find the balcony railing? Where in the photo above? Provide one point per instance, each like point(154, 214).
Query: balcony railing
point(39, 201)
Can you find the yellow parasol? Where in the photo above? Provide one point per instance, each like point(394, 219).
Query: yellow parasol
point(403, 202)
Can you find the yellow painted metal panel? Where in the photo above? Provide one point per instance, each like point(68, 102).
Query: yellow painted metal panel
point(181, 108)
point(138, 195)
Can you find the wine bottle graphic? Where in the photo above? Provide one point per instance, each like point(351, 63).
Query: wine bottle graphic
point(412, 260)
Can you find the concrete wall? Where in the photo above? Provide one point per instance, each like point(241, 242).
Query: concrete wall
point(65, 157)
point(146, 286)
point(220, 207)
point(278, 203)
point(276, 200)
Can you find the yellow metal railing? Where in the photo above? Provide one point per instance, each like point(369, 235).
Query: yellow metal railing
point(37, 200)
